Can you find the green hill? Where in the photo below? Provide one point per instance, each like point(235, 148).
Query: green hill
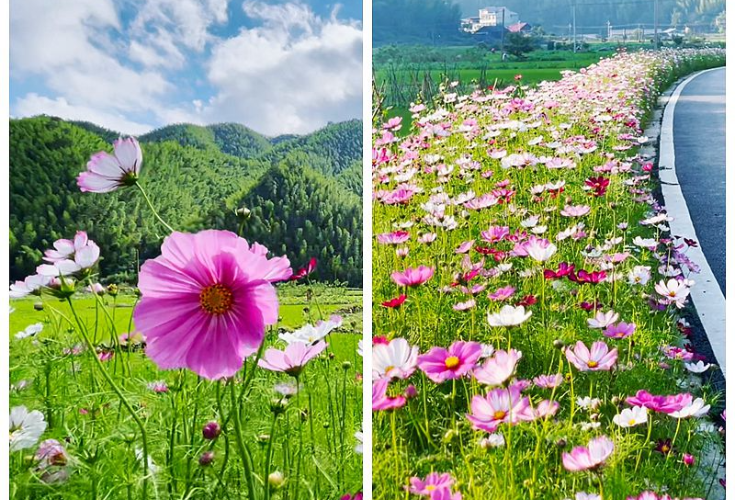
point(192, 180)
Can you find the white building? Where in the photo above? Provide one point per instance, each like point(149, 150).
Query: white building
point(490, 17)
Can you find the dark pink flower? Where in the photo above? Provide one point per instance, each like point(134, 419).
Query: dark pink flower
point(662, 404)
point(206, 301)
point(434, 481)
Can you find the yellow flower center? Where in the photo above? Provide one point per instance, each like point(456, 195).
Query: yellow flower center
point(431, 487)
point(631, 421)
point(592, 364)
point(216, 299)
point(389, 369)
point(499, 415)
point(451, 362)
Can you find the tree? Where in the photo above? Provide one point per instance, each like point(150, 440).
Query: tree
point(518, 44)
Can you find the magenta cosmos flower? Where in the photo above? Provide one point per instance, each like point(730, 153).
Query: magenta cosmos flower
point(206, 301)
point(441, 364)
point(598, 358)
point(434, 481)
point(292, 359)
point(661, 404)
point(500, 406)
point(107, 172)
point(588, 457)
point(381, 400)
point(413, 276)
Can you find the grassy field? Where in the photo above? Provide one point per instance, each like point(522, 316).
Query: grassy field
point(306, 439)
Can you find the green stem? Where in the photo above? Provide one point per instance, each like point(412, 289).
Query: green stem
point(118, 391)
point(244, 452)
point(150, 205)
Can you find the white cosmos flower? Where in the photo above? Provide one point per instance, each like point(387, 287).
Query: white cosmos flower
point(630, 417)
point(508, 316)
point(674, 291)
point(309, 334)
point(359, 438)
point(359, 348)
point(30, 331)
point(30, 285)
point(696, 408)
point(698, 367)
point(25, 428)
point(397, 359)
point(602, 320)
point(540, 249)
point(640, 275)
point(152, 467)
point(588, 403)
point(494, 440)
point(645, 242)
point(586, 496)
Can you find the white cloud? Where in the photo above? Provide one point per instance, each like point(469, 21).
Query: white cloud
point(34, 104)
point(292, 74)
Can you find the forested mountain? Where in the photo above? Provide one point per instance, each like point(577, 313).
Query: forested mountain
point(436, 22)
point(195, 185)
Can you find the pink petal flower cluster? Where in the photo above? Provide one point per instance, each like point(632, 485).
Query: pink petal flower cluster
point(413, 276)
point(661, 404)
point(500, 406)
point(598, 358)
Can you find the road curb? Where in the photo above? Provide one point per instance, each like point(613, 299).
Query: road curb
point(706, 295)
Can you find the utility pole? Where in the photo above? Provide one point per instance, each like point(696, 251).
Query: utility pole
point(655, 24)
point(502, 33)
point(574, 26)
point(609, 30)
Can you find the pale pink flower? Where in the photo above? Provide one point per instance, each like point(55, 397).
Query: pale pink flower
point(575, 210)
point(396, 359)
point(499, 368)
point(598, 358)
point(499, 406)
point(588, 457)
point(106, 172)
point(292, 359)
point(381, 401)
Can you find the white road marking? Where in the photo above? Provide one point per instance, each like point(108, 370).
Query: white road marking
point(706, 293)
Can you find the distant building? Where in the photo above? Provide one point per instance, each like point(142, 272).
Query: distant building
point(490, 17)
point(519, 27)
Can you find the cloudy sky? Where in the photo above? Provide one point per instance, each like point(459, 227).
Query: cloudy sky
point(134, 65)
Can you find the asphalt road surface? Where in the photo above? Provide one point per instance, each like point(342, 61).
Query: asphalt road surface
point(699, 146)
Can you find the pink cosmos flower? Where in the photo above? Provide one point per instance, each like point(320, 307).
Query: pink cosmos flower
point(501, 294)
point(413, 277)
point(495, 233)
point(31, 285)
point(661, 404)
point(499, 406)
point(588, 457)
point(441, 364)
point(434, 481)
point(619, 331)
point(548, 381)
point(464, 247)
point(292, 359)
point(206, 301)
point(498, 368)
point(598, 358)
point(575, 210)
point(395, 238)
point(381, 401)
point(82, 254)
point(546, 408)
point(445, 494)
point(105, 172)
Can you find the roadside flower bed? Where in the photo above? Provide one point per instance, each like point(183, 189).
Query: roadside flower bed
point(528, 294)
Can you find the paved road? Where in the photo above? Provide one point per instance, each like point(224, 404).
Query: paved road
point(699, 146)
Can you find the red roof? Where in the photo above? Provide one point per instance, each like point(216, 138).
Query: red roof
point(517, 27)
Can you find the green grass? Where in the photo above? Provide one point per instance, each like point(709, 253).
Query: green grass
point(311, 442)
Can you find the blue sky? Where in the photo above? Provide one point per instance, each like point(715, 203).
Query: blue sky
point(133, 65)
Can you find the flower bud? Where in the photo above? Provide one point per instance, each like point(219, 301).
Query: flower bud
point(211, 430)
point(346, 365)
point(410, 392)
point(38, 306)
point(558, 344)
point(687, 459)
point(112, 290)
point(276, 479)
point(278, 405)
point(243, 213)
point(206, 459)
point(264, 438)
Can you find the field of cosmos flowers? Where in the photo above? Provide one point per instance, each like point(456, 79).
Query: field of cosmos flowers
point(188, 386)
point(529, 339)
